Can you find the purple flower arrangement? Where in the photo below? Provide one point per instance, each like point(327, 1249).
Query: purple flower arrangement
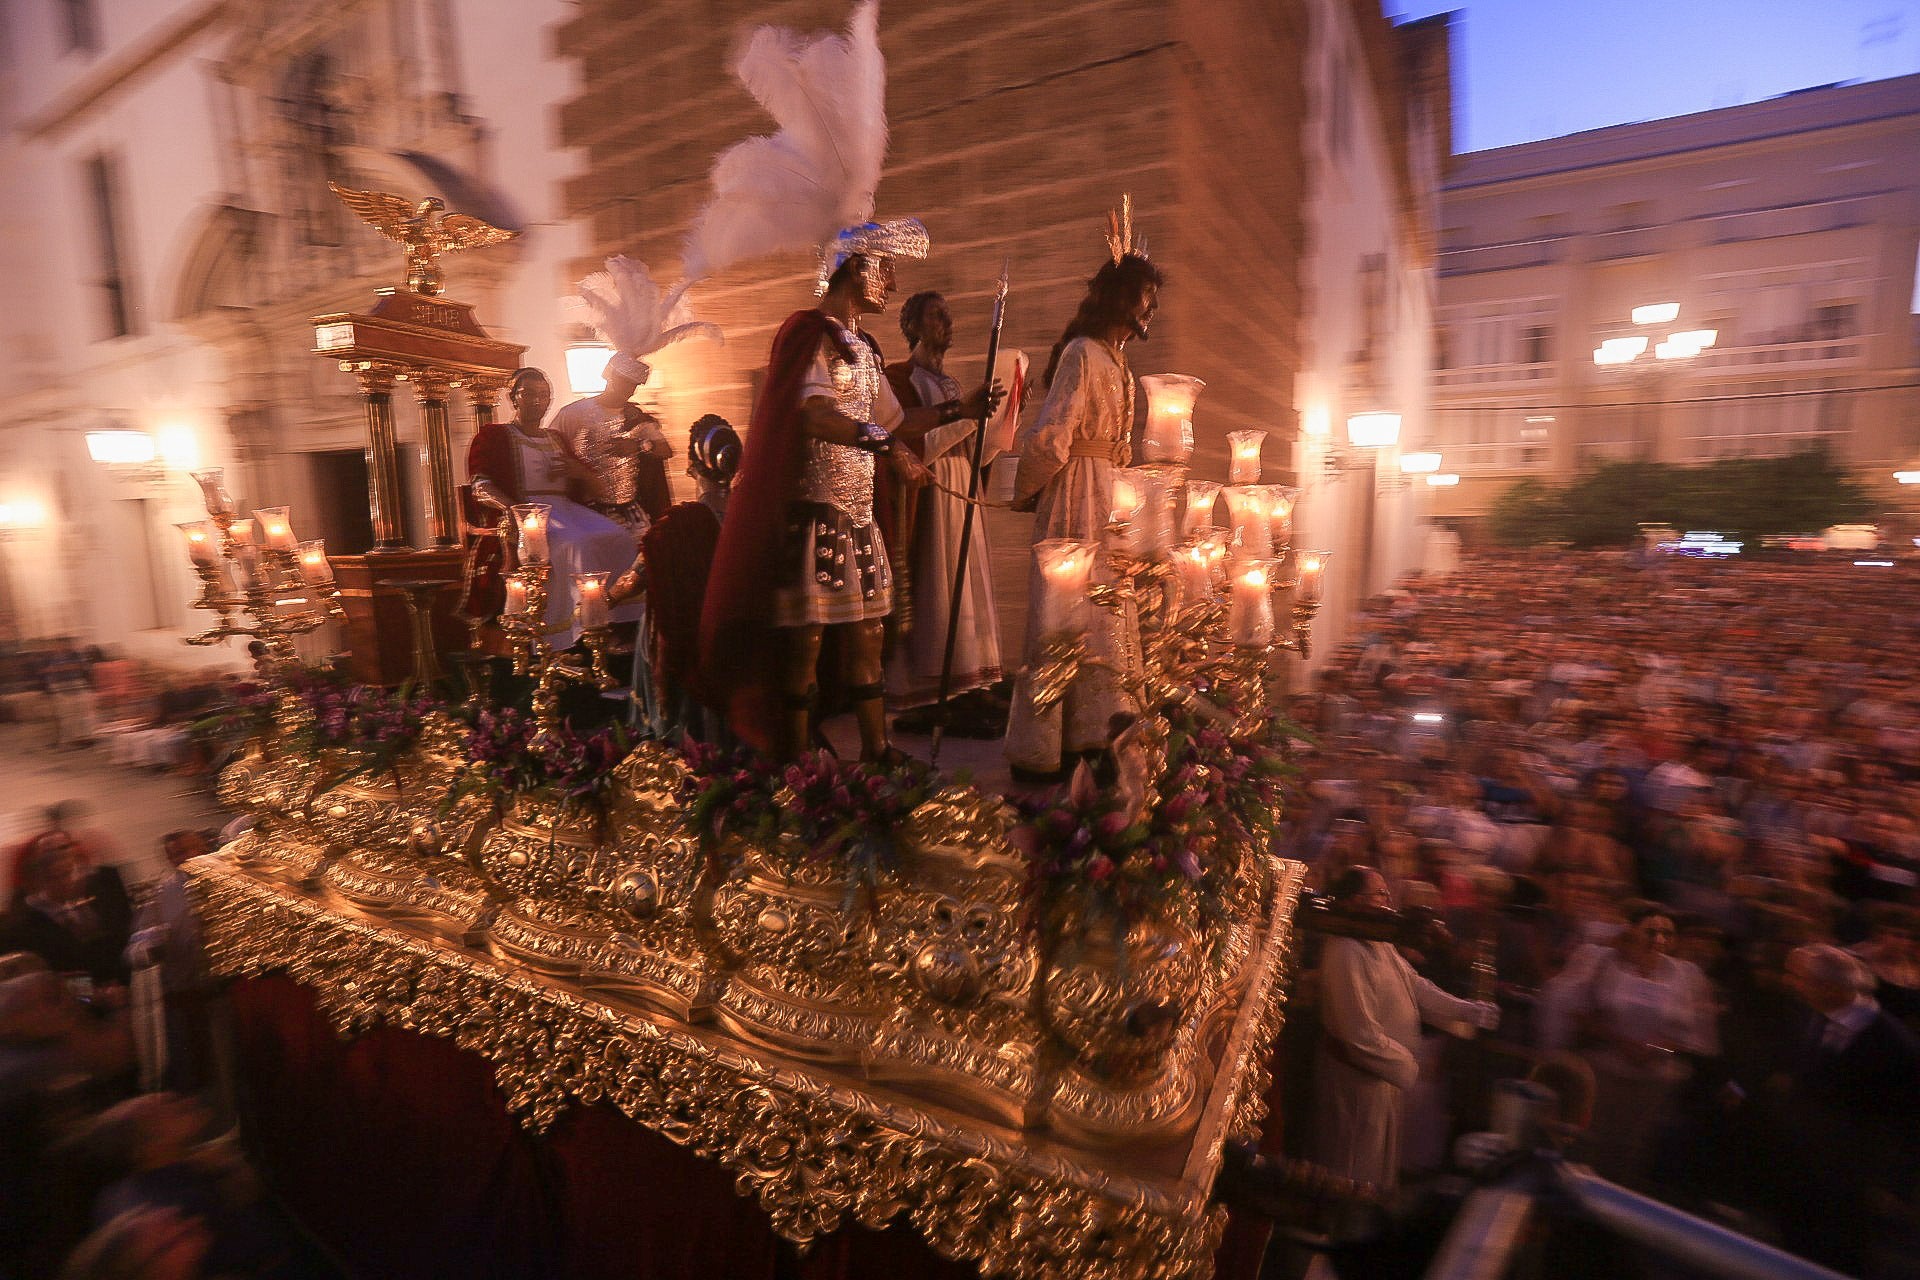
point(729, 791)
point(373, 727)
point(506, 755)
point(851, 813)
point(1101, 851)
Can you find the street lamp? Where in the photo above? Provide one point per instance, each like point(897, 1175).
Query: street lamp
point(1685, 344)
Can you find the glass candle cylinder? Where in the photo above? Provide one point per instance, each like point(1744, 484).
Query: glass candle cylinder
point(1201, 496)
point(315, 569)
point(201, 548)
point(1252, 525)
point(1311, 582)
point(516, 605)
point(590, 600)
point(531, 518)
point(213, 490)
point(1169, 430)
point(1250, 603)
point(240, 533)
point(1065, 564)
point(1280, 500)
point(1129, 499)
point(1193, 569)
point(1243, 463)
point(247, 557)
point(276, 530)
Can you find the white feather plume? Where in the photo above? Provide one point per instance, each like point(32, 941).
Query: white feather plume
point(631, 315)
point(798, 187)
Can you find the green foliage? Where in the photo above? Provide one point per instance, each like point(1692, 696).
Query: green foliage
point(1745, 498)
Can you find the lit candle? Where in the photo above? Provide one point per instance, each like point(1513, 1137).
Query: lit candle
point(1243, 466)
point(213, 489)
point(590, 602)
point(1250, 610)
point(532, 519)
point(1280, 500)
point(241, 533)
point(1194, 566)
point(1252, 524)
point(1169, 429)
point(315, 569)
point(516, 605)
point(1065, 564)
point(276, 528)
point(1201, 496)
point(200, 545)
point(1312, 582)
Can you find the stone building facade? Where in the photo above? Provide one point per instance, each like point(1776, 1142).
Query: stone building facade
point(1789, 226)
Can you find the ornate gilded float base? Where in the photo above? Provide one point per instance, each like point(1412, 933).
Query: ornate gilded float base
point(816, 1148)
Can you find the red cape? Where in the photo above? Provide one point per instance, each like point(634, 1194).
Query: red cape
point(679, 549)
point(740, 670)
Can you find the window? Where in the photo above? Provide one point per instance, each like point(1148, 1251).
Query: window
point(1536, 344)
point(80, 25)
point(102, 182)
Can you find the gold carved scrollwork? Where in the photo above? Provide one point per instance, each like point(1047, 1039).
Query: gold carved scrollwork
point(814, 1151)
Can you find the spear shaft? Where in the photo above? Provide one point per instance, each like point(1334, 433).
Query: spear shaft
point(966, 524)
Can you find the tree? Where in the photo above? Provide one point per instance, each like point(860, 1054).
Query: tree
point(1744, 498)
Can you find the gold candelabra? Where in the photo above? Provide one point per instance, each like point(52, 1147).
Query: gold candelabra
point(256, 577)
point(528, 632)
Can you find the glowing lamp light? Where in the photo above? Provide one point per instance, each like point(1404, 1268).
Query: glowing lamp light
point(1169, 431)
point(587, 367)
point(1311, 584)
point(1604, 356)
point(1243, 461)
point(315, 569)
point(200, 545)
point(1201, 497)
point(1373, 430)
point(1316, 422)
point(1907, 477)
point(1674, 349)
point(179, 447)
point(1424, 462)
point(23, 513)
point(531, 519)
point(590, 600)
point(1698, 339)
point(1656, 313)
point(1065, 564)
point(1250, 608)
point(121, 448)
point(1444, 479)
point(276, 530)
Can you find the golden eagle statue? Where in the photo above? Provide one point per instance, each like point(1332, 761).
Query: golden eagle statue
point(422, 228)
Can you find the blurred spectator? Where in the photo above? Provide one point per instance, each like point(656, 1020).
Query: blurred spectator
point(142, 1244)
point(1371, 1007)
point(64, 917)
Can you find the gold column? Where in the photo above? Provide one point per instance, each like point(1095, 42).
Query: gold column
point(481, 392)
point(383, 462)
point(443, 499)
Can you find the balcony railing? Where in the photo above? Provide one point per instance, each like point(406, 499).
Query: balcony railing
point(1493, 375)
point(1783, 356)
point(1509, 256)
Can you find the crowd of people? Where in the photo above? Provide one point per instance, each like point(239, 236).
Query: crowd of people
point(86, 696)
point(1666, 814)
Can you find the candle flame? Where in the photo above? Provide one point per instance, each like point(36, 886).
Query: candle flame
point(1255, 577)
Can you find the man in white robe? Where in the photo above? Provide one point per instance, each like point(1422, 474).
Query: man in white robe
point(913, 676)
point(1371, 1006)
point(1083, 431)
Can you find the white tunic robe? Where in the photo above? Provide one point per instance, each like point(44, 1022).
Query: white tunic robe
point(579, 540)
point(1371, 1007)
point(915, 675)
point(1068, 484)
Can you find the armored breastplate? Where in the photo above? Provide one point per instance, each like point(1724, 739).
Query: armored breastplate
point(836, 474)
point(619, 476)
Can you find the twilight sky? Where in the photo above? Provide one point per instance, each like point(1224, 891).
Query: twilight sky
point(1529, 69)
